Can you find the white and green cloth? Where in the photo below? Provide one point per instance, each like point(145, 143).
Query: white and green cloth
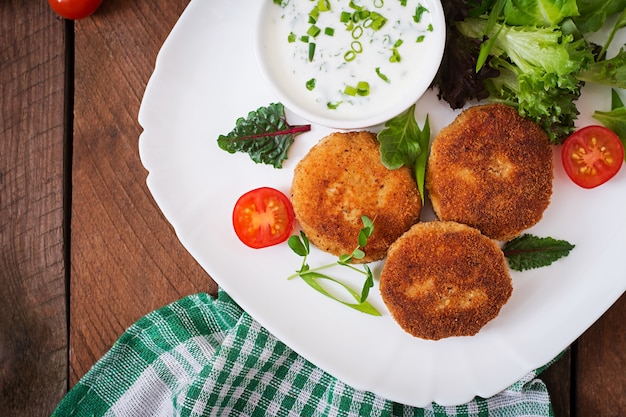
point(204, 356)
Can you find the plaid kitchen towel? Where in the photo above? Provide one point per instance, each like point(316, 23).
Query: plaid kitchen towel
point(202, 356)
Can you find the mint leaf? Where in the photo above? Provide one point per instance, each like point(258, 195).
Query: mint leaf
point(265, 135)
point(403, 143)
point(529, 251)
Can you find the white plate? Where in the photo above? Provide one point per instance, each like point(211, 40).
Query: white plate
point(205, 78)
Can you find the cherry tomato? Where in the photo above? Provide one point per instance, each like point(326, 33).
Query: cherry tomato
point(592, 155)
point(74, 9)
point(263, 217)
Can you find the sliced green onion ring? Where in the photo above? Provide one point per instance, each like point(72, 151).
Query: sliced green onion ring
point(357, 32)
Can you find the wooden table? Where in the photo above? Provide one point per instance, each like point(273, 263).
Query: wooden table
point(86, 251)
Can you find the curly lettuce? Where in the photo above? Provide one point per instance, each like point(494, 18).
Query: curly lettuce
point(538, 68)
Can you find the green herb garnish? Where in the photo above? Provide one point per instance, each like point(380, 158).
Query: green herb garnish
point(419, 11)
point(615, 119)
point(301, 246)
point(265, 135)
point(402, 142)
point(529, 251)
point(381, 75)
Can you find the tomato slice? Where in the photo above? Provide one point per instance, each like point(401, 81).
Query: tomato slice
point(592, 155)
point(263, 217)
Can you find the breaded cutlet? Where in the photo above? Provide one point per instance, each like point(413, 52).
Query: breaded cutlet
point(491, 169)
point(444, 279)
point(341, 179)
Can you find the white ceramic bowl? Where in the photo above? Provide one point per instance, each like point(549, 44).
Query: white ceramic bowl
point(346, 55)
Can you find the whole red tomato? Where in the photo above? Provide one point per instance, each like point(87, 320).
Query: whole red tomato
point(74, 9)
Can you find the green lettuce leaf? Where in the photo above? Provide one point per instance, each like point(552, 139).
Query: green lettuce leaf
point(593, 13)
point(609, 71)
point(614, 119)
point(543, 13)
point(538, 68)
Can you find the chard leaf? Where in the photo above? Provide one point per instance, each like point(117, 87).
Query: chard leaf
point(265, 135)
point(529, 251)
point(403, 143)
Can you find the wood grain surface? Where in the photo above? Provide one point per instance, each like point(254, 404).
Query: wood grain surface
point(125, 258)
point(86, 251)
point(33, 321)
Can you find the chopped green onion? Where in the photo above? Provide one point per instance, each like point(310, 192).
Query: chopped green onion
point(419, 11)
point(329, 31)
point(345, 17)
point(310, 85)
point(357, 32)
point(355, 6)
point(363, 88)
point(314, 15)
point(313, 31)
point(363, 14)
point(382, 76)
point(395, 55)
point(333, 106)
point(403, 2)
point(380, 3)
point(291, 38)
point(398, 43)
point(420, 38)
point(430, 27)
point(323, 5)
point(350, 91)
point(356, 47)
point(379, 22)
point(304, 39)
point(349, 56)
point(311, 51)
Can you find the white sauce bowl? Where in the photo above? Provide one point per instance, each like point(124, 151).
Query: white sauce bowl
point(393, 86)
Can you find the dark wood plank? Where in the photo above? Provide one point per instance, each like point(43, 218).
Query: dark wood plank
point(126, 260)
point(601, 365)
point(558, 378)
point(33, 321)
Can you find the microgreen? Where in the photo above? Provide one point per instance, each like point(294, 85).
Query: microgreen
point(301, 246)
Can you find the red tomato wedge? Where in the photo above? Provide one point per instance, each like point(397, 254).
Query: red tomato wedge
point(592, 155)
point(263, 217)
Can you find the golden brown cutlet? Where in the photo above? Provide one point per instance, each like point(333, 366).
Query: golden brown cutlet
point(491, 169)
point(444, 279)
point(342, 178)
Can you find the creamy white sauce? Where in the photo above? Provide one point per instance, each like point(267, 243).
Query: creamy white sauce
point(289, 65)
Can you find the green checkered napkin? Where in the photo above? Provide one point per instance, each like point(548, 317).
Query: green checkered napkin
point(201, 356)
